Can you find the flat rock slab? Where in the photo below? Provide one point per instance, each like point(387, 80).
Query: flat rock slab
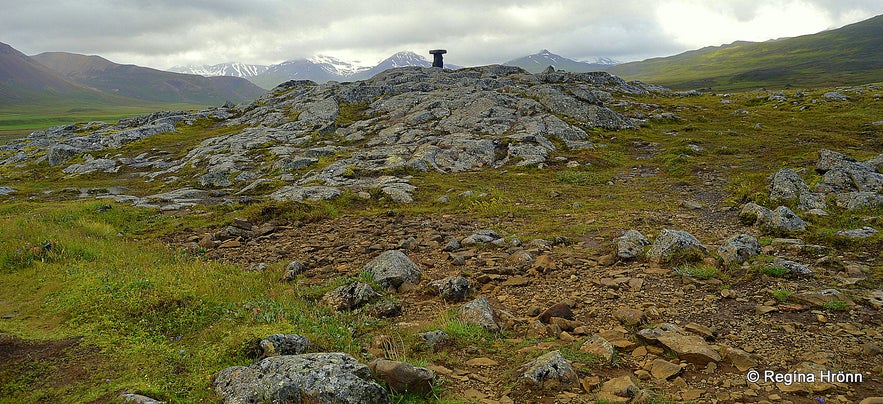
point(315, 377)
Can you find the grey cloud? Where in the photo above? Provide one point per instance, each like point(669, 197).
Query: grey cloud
point(160, 33)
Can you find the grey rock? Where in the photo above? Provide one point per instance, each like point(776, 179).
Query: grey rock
point(350, 296)
point(7, 190)
point(784, 219)
point(393, 268)
point(821, 297)
point(551, 371)
point(599, 346)
point(61, 153)
point(810, 200)
point(293, 269)
point(753, 213)
point(858, 200)
point(138, 399)
point(452, 245)
point(435, 339)
point(453, 288)
point(480, 313)
point(675, 244)
point(284, 344)
point(864, 232)
point(288, 164)
point(832, 95)
point(829, 159)
point(384, 309)
point(481, 236)
point(631, 244)
point(403, 377)
point(877, 161)
point(786, 185)
point(315, 377)
point(794, 267)
point(739, 248)
point(298, 193)
point(219, 179)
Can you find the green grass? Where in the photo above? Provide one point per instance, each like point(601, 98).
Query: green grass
point(700, 271)
point(19, 120)
point(782, 295)
point(775, 271)
point(836, 305)
point(172, 318)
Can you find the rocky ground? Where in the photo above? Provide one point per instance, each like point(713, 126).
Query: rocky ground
point(741, 324)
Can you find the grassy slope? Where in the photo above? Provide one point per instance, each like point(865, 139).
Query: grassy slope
point(849, 55)
point(110, 278)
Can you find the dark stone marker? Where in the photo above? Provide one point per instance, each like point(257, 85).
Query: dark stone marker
point(437, 57)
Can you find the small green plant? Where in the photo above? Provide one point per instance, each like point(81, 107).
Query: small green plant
point(582, 177)
point(837, 305)
point(782, 295)
point(775, 271)
point(702, 271)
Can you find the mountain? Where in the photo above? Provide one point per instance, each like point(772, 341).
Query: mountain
point(849, 55)
point(538, 62)
point(232, 69)
point(147, 84)
point(24, 81)
point(326, 68)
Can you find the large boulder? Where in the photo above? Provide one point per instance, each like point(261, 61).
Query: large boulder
point(61, 153)
point(739, 248)
point(675, 245)
point(350, 296)
point(316, 378)
point(284, 344)
point(453, 288)
point(630, 245)
point(479, 312)
point(689, 347)
point(786, 185)
point(550, 371)
point(393, 268)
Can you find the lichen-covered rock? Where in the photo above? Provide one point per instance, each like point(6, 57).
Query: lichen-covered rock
point(752, 213)
point(481, 236)
point(434, 339)
point(284, 344)
point(479, 312)
point(864, 232)
point(61, 153)
point(784, 220)
point(298, 193)
point(631, 244)
point(795, 268)
point(739, 248)
point(858, 200)
point(315, 377)
point(350, 296)
point(393, 268)
point(7, 190)
point(551, 371)
point(453, 288)
point(675, 245)
point(786, 185)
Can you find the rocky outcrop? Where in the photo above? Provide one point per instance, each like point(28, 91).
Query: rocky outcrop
point(302, 135)
point(350, 296)
point(630, 245)
point(738, 249)
point(284, 344)
point(316, 377)
point(673, 245)
point(479, 312)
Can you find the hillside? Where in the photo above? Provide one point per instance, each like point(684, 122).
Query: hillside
point(849, 55)
point(24, 81)
point(148, 84)
point(540, 61)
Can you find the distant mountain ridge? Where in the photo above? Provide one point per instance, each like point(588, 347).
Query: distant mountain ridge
point(319, 68)
point(852, 54)
point(147, 84)
point(540, 61)
point(232, 69)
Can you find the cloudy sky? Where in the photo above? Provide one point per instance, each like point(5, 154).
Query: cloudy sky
point(165, 33)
